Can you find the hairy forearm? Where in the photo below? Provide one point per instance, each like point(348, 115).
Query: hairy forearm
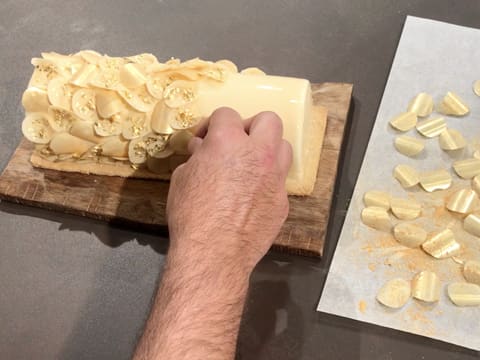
point(197, 309)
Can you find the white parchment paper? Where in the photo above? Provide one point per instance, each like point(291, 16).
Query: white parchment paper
point(433, 57)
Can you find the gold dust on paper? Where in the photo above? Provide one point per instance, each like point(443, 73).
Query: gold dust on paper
point(404, 121)
point(408, 145)
point(405, 209)
point(471, 224)
point(410, 235)
point(435, 180)
point(463, 201)
point(431, 127)
point(471, 271)
point(451, 139)
point(422, 105)
point(362, 306)
point(452, 104)
point(464, 294)
point(376, 217)
point(441, 245)
point(467, 168)
point(395, 293)
point(406, 175)
point(476, 87)
point(377, 198)
point(426, 286)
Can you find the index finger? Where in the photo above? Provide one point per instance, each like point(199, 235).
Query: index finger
point(266, 127)
point(222, 119)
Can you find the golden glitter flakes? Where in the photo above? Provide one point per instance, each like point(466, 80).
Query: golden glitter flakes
point(405, 209)
point(451, 139)
point(463, 201)
point(139, 98)
point(464, 294)
point(408, 145)
point(471, 224)
point(422, 105)
point(60, 119)
point(453, 105)
point(183, 118)
point(376, 217)
point(467, 168)
point(441, 245)
point(431, 127)
point(426, 286)
point(404, 121)
point(179, 93)
point(406, 176)
point(471, 272)
point(377, 198)
point(476, 87)
point(156, 146)
point(395, 293)
point(84, 106)
point(435, 180)
point(135, 125)
point(410, 235)
point(106, 127)
point(137, 151)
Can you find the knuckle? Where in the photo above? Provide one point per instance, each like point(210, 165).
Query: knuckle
point(223, 112)
point(219, 135)
point(272, 119)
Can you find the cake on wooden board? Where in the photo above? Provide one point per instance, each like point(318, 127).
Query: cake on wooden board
point(133, 116)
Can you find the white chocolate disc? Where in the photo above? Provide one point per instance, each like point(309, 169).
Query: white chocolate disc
point(36, 128)
point(83, 105)
point(60, 119)
point(35, 100)
point(64, 143)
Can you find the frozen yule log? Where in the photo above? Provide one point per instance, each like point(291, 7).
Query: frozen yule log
point(133, 116)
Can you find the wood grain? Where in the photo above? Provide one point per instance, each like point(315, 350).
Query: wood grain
point(137, 202)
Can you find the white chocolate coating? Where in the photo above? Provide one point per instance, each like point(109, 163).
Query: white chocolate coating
point(290, 98)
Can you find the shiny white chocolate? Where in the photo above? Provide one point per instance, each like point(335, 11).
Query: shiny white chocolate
point(290, 98)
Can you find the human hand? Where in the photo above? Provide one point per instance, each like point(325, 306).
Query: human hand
point(228, 202)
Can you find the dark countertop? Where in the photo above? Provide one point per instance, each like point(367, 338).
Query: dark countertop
point(73, 288)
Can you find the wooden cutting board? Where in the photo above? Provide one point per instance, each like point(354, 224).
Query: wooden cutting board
point(135, 202)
